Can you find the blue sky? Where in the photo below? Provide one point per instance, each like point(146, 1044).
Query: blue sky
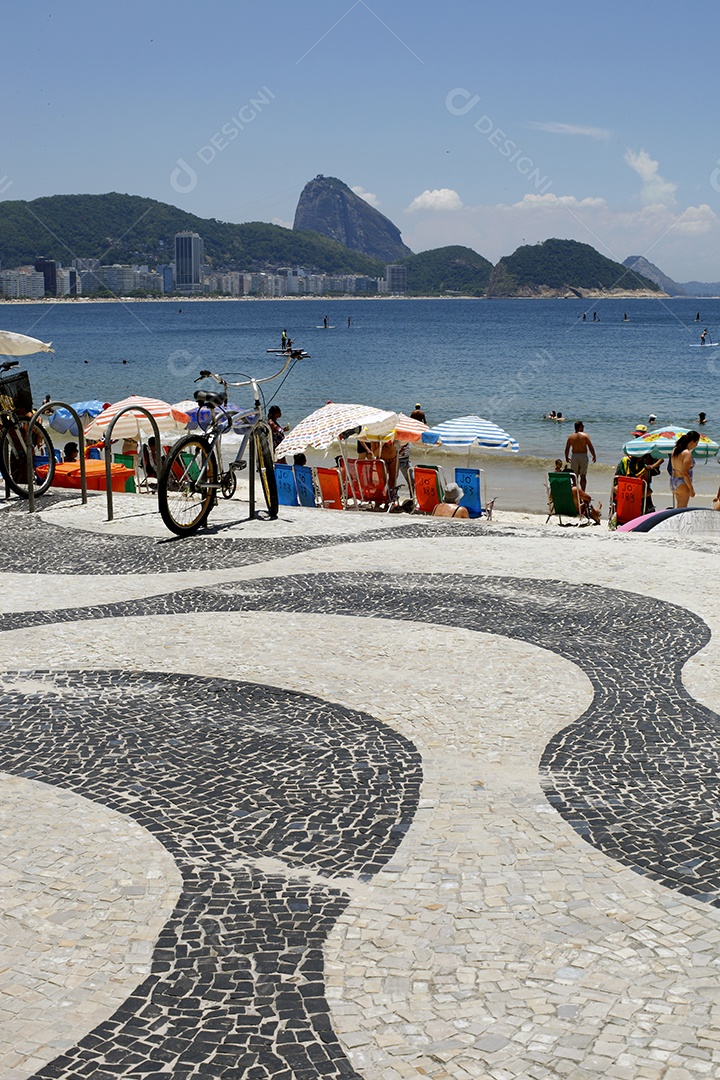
point(464, 122)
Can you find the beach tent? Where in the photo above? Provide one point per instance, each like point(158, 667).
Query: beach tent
point(661, 443)
point(63, 421)
point(21, 345)
point(469, 431)
point(133, 425)
point(324, 427)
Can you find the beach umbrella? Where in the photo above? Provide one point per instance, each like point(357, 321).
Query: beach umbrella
point(63, 421)
point(409, 430)
point(324, 426)
point(661, 443)
point(20, 345)
point(133, 425)
point(466, 432)
point(200, 415)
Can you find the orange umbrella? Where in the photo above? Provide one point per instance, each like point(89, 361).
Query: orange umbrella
point(134, 424)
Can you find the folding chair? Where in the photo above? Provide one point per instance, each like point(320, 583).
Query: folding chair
point(330, 484)
point(286, 486)
point(472, 481)
point(628, 500)
point(428, 487)
point(561, 501)
point(372, 475)
point(304, 484)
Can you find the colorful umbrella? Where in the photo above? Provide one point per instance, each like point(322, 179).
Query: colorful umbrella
point(20, 345)
point(468, 431)
point(324, 426)
point(134, 424)
point(63, 421)
point(661, 443)
point(409, 430)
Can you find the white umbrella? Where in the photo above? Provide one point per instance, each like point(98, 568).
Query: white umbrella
point(134, 424)
point(467, 431)
point(20, 345)
point(323, 427)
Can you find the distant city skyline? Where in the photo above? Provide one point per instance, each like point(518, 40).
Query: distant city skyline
point(464, 123)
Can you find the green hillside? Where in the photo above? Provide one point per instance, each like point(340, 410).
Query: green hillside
point(562, 265)
point(452, 269)
point(130, 229)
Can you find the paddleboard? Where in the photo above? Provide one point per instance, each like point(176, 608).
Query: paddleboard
point(324, 327)
point(707, 345)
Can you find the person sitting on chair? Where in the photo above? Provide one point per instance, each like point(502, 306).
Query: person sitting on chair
point(449, 506)
point(70, 453)
point(149, 461)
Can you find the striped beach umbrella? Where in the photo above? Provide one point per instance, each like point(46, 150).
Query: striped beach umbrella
point(661, 443)
point(409, 430)
point(132, 425)
point(323, 427)
point(468, 431)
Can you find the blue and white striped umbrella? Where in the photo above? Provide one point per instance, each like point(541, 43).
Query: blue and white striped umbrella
point(64, 422)
point(467, 431)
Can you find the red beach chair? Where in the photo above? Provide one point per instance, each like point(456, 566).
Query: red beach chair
point(331, 488)
point(372, 477)
point(428, 488)
point(630, 497)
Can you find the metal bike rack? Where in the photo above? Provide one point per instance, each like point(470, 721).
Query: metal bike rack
point(81, 450)
point(108, 440)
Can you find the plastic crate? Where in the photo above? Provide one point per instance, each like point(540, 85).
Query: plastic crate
point(15, 394)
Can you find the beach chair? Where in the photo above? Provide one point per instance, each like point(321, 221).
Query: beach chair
point(561, 502)
point(372, 476)
point(330, 483)
point(628, 499)
point(128, 460)
point(472, 482)
point(427, 480)
point(348, 471)
point(286, 486)
point(304, 484)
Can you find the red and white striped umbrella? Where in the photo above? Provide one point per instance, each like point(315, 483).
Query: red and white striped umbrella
point(134, 424)
point(407, 429)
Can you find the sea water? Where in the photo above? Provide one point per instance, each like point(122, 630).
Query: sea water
point(510, 361)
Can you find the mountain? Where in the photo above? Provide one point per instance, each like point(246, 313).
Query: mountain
point(564, 268)
point(447, 270)
point(130, 229)
point(702, 288)
point(328, 206)
point(640, 265)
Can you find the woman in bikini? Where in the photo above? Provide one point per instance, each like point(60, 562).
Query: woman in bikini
point(681, 461)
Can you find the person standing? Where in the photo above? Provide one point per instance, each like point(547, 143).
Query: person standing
point(418, 414)
point(284, 340)
point(703, 336)
point(580, 444)
point(681, 464)
point(325, 322)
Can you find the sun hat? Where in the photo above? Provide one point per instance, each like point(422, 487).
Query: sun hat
point(652, 418)
point(418, 405)
point(453, 492)
point(641, 429)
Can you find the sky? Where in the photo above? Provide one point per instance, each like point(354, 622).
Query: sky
point(467, 122)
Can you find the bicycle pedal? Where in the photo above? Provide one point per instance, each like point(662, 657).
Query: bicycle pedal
point(238, 466)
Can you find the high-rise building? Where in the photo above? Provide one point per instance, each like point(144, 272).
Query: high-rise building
point(48, 267)
point(396, 278)
point(189, 259)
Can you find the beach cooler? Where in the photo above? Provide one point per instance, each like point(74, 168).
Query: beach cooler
point(67, 475)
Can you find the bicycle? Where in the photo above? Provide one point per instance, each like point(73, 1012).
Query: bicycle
point(192, 473)
point(16, 409)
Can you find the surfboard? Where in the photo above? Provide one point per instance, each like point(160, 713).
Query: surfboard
point(707, 345)
point(324, 327)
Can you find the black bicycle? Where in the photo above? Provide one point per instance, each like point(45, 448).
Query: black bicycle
point(193, 474)
point(16, 409)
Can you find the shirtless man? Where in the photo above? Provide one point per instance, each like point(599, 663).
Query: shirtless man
point(580, 444)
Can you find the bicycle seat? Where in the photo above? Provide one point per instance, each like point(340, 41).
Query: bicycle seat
point(210, 397)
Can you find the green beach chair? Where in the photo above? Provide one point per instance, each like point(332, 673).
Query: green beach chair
point(561, 502)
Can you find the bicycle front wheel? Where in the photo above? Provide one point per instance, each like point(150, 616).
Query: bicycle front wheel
point(13, 460)
point(266, 469)
point(187, 485)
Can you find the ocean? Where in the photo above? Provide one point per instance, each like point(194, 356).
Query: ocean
point(510, 361)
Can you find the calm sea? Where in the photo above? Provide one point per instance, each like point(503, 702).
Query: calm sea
point(507, 360)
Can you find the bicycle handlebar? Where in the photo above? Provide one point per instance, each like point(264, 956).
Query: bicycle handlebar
point(296, 354)
point(7, 364)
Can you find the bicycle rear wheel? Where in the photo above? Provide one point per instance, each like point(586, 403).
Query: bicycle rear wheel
point(13, 460)
point(186, 494)
point(266, 469)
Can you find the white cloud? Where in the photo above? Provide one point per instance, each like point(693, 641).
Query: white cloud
point(556, 128)
point(655, 188)
point(279, 221)
point(437, 199)
point(366, 195)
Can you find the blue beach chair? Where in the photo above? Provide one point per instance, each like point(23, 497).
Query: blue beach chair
point(286, 486)
point(304, 484)
point(472, 482)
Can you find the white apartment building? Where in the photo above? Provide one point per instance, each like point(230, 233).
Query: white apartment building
point(25, 283)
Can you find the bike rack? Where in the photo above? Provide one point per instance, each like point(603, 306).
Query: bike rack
point(108, 440)
point(81, 449)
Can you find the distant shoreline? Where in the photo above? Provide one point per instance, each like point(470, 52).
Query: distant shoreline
point(331, 299)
